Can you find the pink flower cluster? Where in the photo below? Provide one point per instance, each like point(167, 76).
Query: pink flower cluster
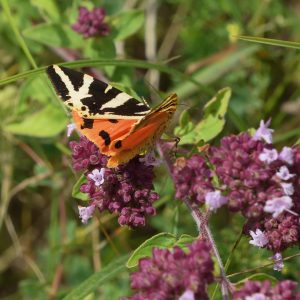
point(263, 290)
point(91, 23)
point(252, 177)
point(174, 274)
point(126, 191)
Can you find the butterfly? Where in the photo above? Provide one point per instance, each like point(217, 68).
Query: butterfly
point(120, 125)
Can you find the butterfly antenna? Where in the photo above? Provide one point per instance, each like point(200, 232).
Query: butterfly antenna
point(153, 89)
point(145, 102)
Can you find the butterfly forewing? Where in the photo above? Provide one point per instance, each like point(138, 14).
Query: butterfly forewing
point(118, 124)
point(92, 98)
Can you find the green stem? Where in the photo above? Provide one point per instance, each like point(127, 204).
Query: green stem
point(262, 267)
point(229, 259)
point(17, 33)
point(133, 63)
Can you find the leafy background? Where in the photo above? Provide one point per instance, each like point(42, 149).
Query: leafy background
point(46, 253)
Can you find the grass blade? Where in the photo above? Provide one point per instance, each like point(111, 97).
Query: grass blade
point(17, 33)
point(273, 42)
point(97, 279)
point(133, 63)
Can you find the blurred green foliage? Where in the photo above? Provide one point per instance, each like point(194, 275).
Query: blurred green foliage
point(46, 253)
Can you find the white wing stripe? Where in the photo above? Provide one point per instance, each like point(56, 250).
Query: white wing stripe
point(119, 100)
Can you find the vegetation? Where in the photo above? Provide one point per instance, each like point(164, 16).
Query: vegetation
point(197, 49)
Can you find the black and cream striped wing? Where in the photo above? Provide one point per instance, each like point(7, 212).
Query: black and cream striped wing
point(92, 98)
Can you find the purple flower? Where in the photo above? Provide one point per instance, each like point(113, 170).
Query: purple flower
point(86, 155)
point(284, 173)
point(86, 213)
point(278, 205)
point(263, 132)
point(214, 200)
point(288, 188)
point(278, 262)
point(259, 239)
point(250, 185)
point(91, 23)
point(126, 190)
point(256, 296)
point(70, 128)
point(286, 155)
point(268, 155)
point(187, 295)
point(97, 176)
point(192, 179)
point(263, 290)
point(257, 182)
point(170, 274)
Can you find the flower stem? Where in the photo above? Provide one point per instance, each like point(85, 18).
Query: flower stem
point(203, 229)
point(202, 226)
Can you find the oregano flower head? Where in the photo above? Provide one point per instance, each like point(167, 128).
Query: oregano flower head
point(263, 290)
point(91, 23)
point(174, 274)
point(252, 177)
point(126, 190)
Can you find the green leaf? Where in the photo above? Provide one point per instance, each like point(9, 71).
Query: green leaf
point(54, 35)
point(184, 118)
point(35, 88)
point(185, 239)
point(212, 122)
point(207, 75)
point(273, 42)
point(76, 193)
point(186, 126)
point(46, 123)
point(127, 23)
point(162, 240)
point(50, 7)
point(100, 48)
point(95, 281)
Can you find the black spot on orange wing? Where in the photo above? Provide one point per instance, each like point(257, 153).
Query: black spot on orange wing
point(87, 123)
point(106, 137)
point(113, 120)
point(118, 144)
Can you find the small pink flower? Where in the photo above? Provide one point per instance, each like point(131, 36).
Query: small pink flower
point(187, 295)
point(268, 155)
point(263, 132)
point(286, 155)
point(278, 262)
point(70, 128)
point(288, 188)
point(256, 296)
point(259, 238)
point(214, 200)
point(86, 213)
point(276, 206)
point(97, 176)
point(284, 173)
